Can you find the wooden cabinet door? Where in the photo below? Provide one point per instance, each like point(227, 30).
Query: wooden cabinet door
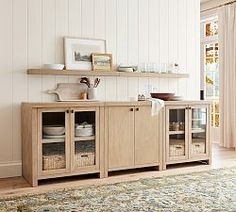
point(120, 137)
point(146, 136)
point(199, 125)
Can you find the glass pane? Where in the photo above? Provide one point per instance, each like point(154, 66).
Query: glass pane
point(54, 156)
point(211, 28)
point(212, 77)
point(85, 130)
point(53, 135)
point(199, 124)
point(177, 133)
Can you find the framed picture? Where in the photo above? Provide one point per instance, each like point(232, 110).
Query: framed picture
point(102, 62)
point(78, 52)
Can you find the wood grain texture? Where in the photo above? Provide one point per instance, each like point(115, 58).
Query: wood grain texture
point(120, 139)
point(146, 137)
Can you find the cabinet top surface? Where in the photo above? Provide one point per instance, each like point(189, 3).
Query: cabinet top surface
point(110, 103)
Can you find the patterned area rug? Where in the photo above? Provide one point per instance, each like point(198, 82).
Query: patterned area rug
point(214, 190)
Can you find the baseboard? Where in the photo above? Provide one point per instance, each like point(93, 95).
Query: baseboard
point(10, 169)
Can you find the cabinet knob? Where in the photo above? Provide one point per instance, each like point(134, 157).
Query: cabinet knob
point(67, 111)
point(137, 109)
point(131, 109)
point(72, 111)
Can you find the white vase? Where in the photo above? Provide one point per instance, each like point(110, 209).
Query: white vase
point(92, 93)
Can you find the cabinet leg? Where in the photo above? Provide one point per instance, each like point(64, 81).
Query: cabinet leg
point(103, 174)
point(209, 162)
point(34, 183)
point(163, 167)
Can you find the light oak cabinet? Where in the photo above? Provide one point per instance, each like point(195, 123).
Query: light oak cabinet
point(187, 133)
point(50, 156)
point(126, 136)
point(132, 137)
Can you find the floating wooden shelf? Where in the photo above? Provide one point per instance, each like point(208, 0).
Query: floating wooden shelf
point(53, 140)
point(104, 73)
point(89, 138)
point(176, 132)
point(198, 130)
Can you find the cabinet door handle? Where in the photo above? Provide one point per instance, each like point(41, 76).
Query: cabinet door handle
point(67, 111)
point(189, 108)
point(137, 109)
point(72, 111)
point(131, 109)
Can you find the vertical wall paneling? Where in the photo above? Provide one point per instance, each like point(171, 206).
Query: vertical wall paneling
point(122, 32)
point(154, 31)
point(173, 41)
point(143, 31)
point(34, 53)
point(122, 88)
point(136, 32)
point(197, 50)
point(48, 45)
point(6, 80)
point(164, 31)
point(182, 44)
point(88, 18)
point(100, 19)
point(164, 40)
point(75, 18)
point(191, 48)
point(111, 85)
point(143, 86)
point(133, 31)
point(19, 61)
point(154, 38)
point(111, 33)
point(101, 89)
point(133, 87)
point(62, 29)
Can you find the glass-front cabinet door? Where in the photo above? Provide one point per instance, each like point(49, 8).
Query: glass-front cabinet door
point(53, 141)
point(199, 131)
point(85, 139)
point(177, 133)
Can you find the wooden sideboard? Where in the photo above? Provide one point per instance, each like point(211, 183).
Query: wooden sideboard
point(126, 136)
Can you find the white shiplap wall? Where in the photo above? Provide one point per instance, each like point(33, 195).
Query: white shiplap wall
point(136, 31)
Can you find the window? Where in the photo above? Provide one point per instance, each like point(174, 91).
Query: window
point(210, 66)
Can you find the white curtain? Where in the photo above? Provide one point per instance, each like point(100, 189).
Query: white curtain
point(227, 51)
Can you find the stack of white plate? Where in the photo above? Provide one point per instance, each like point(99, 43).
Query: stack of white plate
point(84, 130)
point(177, 98)
point(127, 68)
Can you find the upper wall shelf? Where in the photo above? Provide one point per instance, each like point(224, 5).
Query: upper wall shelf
point(104, 73)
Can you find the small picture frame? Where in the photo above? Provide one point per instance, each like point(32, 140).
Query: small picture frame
point(78, 52)
point(102, 62)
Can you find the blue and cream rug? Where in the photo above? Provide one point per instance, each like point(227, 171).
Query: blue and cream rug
point(214, 190)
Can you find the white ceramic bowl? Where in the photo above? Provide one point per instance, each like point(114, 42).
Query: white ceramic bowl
point(84, 130)
point(54, 66)
point(53, 130)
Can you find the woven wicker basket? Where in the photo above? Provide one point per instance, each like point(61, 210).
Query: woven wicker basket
point(198, 147)
point(51, 162)
point(84, 159)
point(177, 149)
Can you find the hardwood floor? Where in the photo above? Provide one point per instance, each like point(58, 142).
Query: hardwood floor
point(222, 158)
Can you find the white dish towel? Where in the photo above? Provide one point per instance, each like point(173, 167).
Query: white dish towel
point(157, 105)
